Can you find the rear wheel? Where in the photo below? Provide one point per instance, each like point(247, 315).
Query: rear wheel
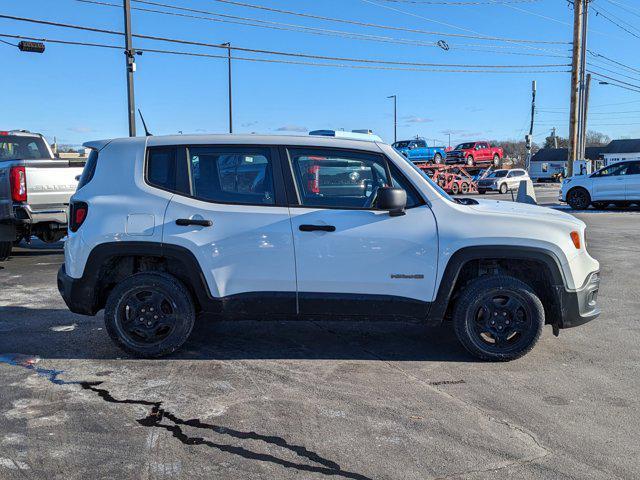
point(579, 199)
point(5, 250)
point(455, 189)
point(149, 314)
point(498, 318)
point(470, 161)
point(496, 160)
point(437, 158)
point(464, 188)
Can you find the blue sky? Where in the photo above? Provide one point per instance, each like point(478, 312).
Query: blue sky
point(78, 93)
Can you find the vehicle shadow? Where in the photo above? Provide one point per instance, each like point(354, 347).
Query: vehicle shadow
point(57, 333)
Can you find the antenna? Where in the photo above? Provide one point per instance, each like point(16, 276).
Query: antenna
point(144, 124)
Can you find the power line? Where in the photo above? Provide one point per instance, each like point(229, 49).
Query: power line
point(622, 6)
point(614, 79)
point(599, 13)
point(604, 57)
point(462, 4)
point(286, 62)
point(388, 27)
point(233, 19)
point(8, 43)
point(280, 53)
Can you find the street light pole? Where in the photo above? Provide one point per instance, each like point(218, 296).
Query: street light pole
point(131, 67)
point(395, 117)
point(228, 45)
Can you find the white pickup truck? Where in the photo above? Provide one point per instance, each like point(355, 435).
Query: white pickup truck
point(35, 188)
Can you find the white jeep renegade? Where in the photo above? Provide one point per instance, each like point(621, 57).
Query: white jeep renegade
point(163, 228)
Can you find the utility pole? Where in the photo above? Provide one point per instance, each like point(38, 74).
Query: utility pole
point(555, 138)
point(395, 117)
point(131, 67)
point(578, 12)
point(533, 114)
point(228, 45)
point(583, 69)
point(585, 110)
point(449, 139)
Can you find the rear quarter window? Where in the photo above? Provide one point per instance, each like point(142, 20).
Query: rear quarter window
point(89, 169)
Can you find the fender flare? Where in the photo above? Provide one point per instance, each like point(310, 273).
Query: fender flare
point(463, 256)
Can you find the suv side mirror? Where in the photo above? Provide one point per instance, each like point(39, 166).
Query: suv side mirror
point(392, 199)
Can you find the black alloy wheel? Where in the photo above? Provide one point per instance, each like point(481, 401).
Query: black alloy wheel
point(498, 318)
point(579, 199)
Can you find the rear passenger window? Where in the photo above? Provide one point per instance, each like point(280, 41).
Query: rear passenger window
point(232, 175)
point(89, 169)
point(162, 167)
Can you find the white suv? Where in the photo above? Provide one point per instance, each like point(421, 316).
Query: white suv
point(502, 180)
point(163, 228)
point(618, 183)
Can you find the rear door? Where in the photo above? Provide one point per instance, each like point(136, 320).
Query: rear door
point(351, 258)
point(632, 182)
point(233, 217)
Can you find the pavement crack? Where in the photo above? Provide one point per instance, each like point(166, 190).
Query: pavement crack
point(174, 424)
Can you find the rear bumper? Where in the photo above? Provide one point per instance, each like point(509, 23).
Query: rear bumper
point(76, 294)
point(581, 306)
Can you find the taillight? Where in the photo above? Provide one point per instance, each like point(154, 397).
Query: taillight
point(18, 180)
point(77, 215)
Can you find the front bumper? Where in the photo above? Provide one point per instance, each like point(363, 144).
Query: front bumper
point(580, 306)
point(79, 297)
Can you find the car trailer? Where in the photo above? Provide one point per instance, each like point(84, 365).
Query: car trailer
point(455, 179)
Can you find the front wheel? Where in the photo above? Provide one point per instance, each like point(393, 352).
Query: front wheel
point(498, 318)
point(149, 314)
point(579, 199)
point(503, 188)
point(5, 250)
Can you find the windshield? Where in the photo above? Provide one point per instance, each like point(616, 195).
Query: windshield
point(403, 144)
point(435, 186)
point(18, 147)
point(498, 174)
point(465, 146)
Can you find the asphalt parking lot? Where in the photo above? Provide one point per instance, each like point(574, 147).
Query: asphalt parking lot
point(310, 400)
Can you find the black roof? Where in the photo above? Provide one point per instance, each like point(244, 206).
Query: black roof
point(631, 145)
point(561, 154)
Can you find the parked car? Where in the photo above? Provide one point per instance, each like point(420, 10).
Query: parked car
point(35, 189)
point(475, 153)
point(417, 150)
point(502, 180)
point(618, 183)
point(163, 228)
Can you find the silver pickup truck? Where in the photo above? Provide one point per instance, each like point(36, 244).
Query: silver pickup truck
point(35, 188)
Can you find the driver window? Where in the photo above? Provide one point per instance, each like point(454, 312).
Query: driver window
point(341, 179)
point(614, 170)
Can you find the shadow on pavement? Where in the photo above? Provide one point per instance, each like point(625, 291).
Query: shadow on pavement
point(56, 333)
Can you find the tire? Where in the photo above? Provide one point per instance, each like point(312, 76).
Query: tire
point(455, 189)
point(138, 299)
point(503, 188)
point(488, 327)
point(464, 188)
point(600, 205)
point(437, 158)
point(482, 192)
point(470, 161)
point(578, 198)
point(496, 160)
point(5, 250)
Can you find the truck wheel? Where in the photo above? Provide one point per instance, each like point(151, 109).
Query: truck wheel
point(5, 250)
point(455, 189)
point(464, 188)
point(578, 199)
point(496, 160)
point(503, 188)
point(470, 161)
point(149, 314)
point(498, 318)
point(437, 158)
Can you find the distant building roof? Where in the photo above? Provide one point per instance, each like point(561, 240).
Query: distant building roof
point(561, 154)
point(623, 146)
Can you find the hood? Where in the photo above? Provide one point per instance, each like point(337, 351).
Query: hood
point(525, 210)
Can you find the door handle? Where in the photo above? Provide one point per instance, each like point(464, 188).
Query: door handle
point(185, 222)
point(317, 228)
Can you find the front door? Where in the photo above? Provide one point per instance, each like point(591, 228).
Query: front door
point(351, 258)
point(609, 183)
point(234, 220)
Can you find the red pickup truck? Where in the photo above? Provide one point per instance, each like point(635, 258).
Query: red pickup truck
point(475, 153)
